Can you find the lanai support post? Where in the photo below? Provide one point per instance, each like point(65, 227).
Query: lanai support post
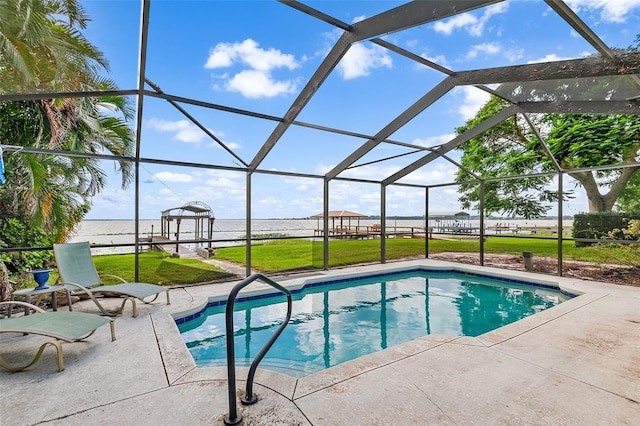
point(177, 234)
point(383, 223)
point(136, 260)
point(248, 226)
point(197, 230)
point(426, 223)
point(142, 65)
point(481, 223)
point(325, 226)
point(210, 233)
point(560, 176)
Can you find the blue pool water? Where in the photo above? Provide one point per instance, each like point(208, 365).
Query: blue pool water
point(338, 321)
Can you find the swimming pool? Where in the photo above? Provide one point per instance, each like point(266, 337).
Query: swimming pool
point(339, 320)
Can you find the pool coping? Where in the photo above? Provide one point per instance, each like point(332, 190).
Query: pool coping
point(181, 369)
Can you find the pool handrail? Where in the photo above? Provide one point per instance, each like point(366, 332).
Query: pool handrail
point(249, 397)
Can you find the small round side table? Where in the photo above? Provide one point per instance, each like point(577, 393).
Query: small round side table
point(33, 291)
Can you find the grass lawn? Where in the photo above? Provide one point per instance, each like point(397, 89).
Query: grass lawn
point(158, 267)
point(293, 254)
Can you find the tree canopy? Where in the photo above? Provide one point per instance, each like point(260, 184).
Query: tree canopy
point(574, 141)
point(508, 149)
point(579, 141)
point(629, 200)
point(42, 49)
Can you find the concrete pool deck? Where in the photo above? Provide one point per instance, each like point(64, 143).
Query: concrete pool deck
point(576, 363)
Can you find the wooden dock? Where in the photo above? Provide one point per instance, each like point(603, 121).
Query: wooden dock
point(527, 229)
point(374, 231)
point(162, 243)
point(456, 229)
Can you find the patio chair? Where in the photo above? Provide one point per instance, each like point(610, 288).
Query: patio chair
point(77, 270)
point(66, 326)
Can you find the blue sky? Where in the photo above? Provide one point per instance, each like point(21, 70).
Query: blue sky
point(258, 55)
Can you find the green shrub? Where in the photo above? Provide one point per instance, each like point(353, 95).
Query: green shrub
point(631, 232)
point(18, 233)
point(598, 225)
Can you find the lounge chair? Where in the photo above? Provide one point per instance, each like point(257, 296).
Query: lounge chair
point(77, 270)
point(65, 326)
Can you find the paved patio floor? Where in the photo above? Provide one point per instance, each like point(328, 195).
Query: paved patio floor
point(575, 364)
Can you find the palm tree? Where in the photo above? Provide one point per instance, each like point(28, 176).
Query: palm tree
point(41, 47)
point(42, 50)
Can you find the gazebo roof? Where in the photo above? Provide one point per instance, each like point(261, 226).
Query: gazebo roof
point(339, 213)
point(197, 208)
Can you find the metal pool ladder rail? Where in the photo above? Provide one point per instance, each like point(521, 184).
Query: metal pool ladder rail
point(249, 397)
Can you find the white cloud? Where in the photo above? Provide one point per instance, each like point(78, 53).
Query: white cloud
point(216, 179)
point(230, 145)
point(459, 21)
point(166, 126)
point(486, 48)
point(430, 141)
point(439, 171)
point(222, 182)
point(256, 84)
point(411, 44)
point(610, 10)
point(474, 99)
point(186, 131)
point(173, 177)
point(256, 79)
point(360, 60)
point(219, 57)
point(249, 53)
point(474, 26)
point(492, 48)
point(190, 134)
point(163, 192)
point(513, 54)
point(182, 130)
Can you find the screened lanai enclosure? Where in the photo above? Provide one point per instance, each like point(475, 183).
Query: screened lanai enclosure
point(335, 101)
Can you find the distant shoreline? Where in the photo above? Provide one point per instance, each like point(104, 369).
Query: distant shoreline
point(476, 217)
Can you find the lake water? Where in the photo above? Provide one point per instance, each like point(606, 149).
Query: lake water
point(123, 231)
